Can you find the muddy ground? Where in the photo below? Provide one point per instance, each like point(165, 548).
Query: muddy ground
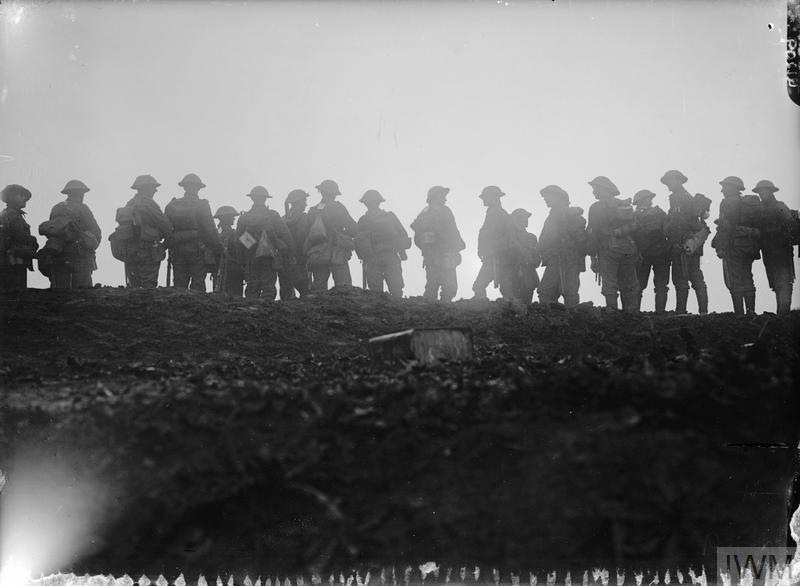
point(259, 437)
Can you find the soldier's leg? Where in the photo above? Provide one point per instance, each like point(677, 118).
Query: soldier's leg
point(730, 276)
point(572, 282)
point(319, 278)
point(197, 274)
point(148, 275)
point(550, 285)
point(484, 278)
point(748, 287)
point(300, 277)
point(782, 280)
point(680, 279)
point(180, 270)
point(698, 283)
point(609, 269)
point(268, 288)
point(661, 284)
point(449, 282)
point(374, 271)
point(234, 280)
point(82, 268)
point(506, 281)
point(286, 283)
point(341, 274)
point(393, 273)
point(628, 283)
point(433, 281)
point(60, 275)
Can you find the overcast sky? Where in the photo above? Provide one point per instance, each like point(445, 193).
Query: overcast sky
point(396, 96)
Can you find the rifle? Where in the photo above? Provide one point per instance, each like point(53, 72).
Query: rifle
point(169, 268)
point(363, 275)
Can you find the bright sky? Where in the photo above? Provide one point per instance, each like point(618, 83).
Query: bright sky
point(396, 96)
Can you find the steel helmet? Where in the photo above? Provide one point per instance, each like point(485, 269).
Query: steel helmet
point(296, 195)
point(521, 213)
point(734, 182)
point(673, 177)
point(437, 191)
point(491, 191)
point(765, 185)
point(191, 179)
point(605, 183)
point(371, 195)
point(145, 181)
point(259, 191)
point(226, 211)
point(12, 189)
point(329, 187)
point(73, 185)
point(642, 195)
point(555, 192)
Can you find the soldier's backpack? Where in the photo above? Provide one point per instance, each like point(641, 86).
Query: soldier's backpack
point(624, 213)
point(751, 211)
point(576, 230)
point(425, 233)
point(317, 233)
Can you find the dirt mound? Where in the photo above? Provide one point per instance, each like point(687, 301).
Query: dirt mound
point(254, 436)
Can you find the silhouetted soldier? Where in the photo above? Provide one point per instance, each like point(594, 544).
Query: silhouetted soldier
point(330, 242)
point(737, 242)
point(230, 274)
point(651, 241)
point(610, 228)
point(526, 279)
point(494, 247)
point(294, 274)
point(17, 246)
point(266, 240)
point(562, 246)
point(73, 236)
point(138, 239)
point(381, 244)
point(436, 235)
point(685, 225)
point(194, 239)
point(778, 235)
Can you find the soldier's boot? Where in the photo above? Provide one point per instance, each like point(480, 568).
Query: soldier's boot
point(750, 302)
point(661, 302)
point(681, 297)
point(702, 300)
point(738, 303)
point(611, 301)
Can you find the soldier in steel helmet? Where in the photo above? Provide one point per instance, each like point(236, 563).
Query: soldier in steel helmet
point(265, 241)
point(17, 246)
point(526, 279)
point(229, 277)
point(685, 224)
point(562, 246)
point(495, 247)
point(331, 239)
point(381, 244)
point(610, 227)
point(68, 258)
point(293, 277)
point(779, 233)
point(737, 242)
point(144, 248)
point(437, 236)
point(194, 244)
point(654, 252)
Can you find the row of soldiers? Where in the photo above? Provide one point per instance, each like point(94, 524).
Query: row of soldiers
point(625, 239)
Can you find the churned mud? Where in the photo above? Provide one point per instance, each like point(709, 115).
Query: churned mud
point(256, 437)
